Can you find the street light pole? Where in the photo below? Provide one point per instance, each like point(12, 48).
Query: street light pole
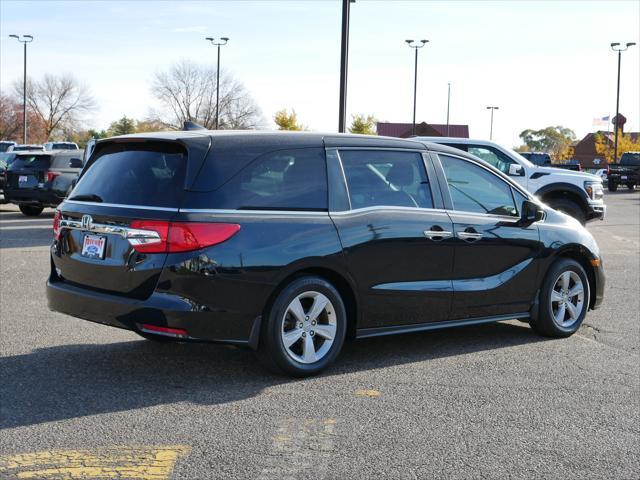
point(448, 104)
point(223, 41)
point(344, 64)
point(491, 128)
point(415, 46)
point(616, 47)
point(24, 40)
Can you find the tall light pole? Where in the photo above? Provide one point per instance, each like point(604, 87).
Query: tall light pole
point(24, 39)
point(223, 41)
point(416, 46)
point(344, 64)
point(448, 104)
point(616, 47)
point(491, 128)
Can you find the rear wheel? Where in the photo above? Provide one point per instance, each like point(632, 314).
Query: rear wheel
point(569, 207)
point(304, 330)
point(631, 186)
point(30, 210)
point(564, 300)
point(612, 186)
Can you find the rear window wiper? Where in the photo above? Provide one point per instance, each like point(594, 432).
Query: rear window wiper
point(92, 197)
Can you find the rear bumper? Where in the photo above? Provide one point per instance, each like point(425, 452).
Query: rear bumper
point(160, 309)
point(45, 198)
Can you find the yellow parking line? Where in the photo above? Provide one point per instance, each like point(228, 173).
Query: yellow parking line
point(135, 463)
point(367, 393)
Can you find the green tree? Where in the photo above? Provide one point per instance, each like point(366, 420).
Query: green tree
point(123, 126)
point(287, 121)
point(365, 125)
point(555, 141)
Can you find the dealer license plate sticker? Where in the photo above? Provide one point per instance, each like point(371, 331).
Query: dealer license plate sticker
point(93, 246)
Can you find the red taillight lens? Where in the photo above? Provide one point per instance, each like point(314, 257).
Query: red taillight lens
point(183, 236)
point(56, 225)
point(51, 176)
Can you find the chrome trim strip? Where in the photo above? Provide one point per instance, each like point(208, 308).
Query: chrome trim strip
point(363, 210)
point(134, 235)
point(305, 213)
point(118, 205)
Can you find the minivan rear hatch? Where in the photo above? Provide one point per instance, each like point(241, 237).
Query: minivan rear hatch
point(124, 187)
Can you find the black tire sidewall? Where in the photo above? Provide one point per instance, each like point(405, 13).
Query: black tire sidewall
point(612, 187)
point(569, 207)
point(548, 323)
point(271, 330)
point(30, 210)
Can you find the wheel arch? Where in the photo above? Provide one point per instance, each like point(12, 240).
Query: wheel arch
point(340, 281)
point(563, 190)
point(583, 257)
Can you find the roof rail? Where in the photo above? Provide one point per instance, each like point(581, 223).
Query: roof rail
point(192, 126)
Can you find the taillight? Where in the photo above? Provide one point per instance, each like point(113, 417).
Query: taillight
point(51, 176)
point(182, 236)
point(56, 225)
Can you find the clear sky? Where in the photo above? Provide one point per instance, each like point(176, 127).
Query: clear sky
point(542, 62)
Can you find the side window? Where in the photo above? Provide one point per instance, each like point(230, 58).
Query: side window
point(386, 178)
point(474, 189)
point(492, 156)
point(283, 180)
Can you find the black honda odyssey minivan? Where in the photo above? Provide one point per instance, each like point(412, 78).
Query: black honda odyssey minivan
point(291, 243)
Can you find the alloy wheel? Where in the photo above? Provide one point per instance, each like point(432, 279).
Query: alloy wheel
point(308, 327)
point(567, 299)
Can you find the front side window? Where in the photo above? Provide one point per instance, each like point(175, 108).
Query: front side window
point(293, 179)
point(492, 156)
point(386, 178)
point(475, 189)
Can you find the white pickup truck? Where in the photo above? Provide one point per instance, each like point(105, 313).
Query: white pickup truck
point(574, 193)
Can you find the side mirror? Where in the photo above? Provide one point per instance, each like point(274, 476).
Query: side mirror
point(531, 212)
point(75, 163)
point(516, 170)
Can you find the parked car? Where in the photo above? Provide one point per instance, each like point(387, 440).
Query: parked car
point(575, 193)
point(602, 173)
point(25, 148)
point(49, 146)
point(36, 180)
point(627, 172)
point(289, 243)
point(5, 160)
point(5, 144)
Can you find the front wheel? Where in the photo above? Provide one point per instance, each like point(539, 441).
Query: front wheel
point(564, 300)
point(304, 330)
point(30, 210)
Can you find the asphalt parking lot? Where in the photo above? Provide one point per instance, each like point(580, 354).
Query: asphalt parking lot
point(80, 400)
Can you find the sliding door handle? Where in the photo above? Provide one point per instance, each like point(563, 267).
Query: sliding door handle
point(437, 235)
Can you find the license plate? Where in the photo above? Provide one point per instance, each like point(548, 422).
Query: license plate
point(623, 177)
point(23, 179)
point(93, 246)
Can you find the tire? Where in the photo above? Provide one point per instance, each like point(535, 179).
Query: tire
point(30, 210)
point(309, 351)
point(569, 207)
point(612, 186)
point(631, 186)
point(553, 320)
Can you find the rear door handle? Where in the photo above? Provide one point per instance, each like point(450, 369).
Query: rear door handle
point(437, 235)
point(469, 236)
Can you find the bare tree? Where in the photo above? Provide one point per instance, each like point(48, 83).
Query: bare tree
point(187, 92)
point(59, 101)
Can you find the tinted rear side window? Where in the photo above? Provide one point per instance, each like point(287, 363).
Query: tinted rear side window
point(147, 174)
point(31, 161)
point(294, 179)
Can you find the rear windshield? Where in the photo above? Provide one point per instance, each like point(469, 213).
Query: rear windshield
point(30, 161)
point(64, 146)
point(146, 174)
point(632, 159)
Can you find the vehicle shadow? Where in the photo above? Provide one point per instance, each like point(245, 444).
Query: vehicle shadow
point(70, 381)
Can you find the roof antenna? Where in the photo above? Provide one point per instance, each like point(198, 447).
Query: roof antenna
point(192, 126)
